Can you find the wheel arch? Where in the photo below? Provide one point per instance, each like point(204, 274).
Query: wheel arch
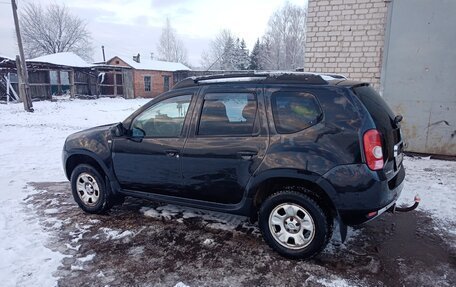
point(85, 157)
point(308, 183)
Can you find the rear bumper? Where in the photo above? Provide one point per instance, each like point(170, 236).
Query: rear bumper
point(361, 194)
point(355, 217)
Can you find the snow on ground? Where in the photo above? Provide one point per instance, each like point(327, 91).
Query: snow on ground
point(435, 182)
point(30, 151)
point(213, 219)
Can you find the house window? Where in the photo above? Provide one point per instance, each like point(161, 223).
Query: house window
point(165, 83)
point(117, 62)
point(147, 83)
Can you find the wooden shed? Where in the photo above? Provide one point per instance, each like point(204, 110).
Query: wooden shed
point(66, 73)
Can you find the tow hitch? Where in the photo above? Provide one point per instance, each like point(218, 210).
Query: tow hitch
point(394, 208)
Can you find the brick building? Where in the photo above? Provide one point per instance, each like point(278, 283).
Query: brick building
point(405, 48)
point(150, 77)
point(346, 37)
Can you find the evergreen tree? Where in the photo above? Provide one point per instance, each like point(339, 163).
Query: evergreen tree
point(255, 61)
point(228, 59)
point(243, 59)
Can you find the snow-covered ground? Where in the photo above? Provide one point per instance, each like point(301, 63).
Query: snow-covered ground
point(435, 182)
point(30, 151)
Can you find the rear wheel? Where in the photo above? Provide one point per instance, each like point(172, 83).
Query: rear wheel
point(294, 225)
point(90, 190)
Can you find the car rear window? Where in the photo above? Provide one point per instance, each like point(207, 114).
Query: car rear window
point(294, 111)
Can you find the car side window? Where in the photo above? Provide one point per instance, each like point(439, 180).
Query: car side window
point(294, 111)
point(164, 119)
point(228, 114)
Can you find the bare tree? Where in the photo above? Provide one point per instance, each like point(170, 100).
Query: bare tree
point(285, 38)
point(265, 58)
point(170, 47)
point(226, 52)
point(54, 29)
point(212, 59)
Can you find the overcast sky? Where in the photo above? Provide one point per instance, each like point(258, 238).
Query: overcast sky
point(128, 27)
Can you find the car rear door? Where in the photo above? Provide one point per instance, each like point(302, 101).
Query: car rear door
point(226, 144)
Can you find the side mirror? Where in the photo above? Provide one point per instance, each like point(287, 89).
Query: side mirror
point(118, 130)
point(137, 134)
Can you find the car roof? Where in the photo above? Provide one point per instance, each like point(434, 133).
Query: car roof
point(267, 77)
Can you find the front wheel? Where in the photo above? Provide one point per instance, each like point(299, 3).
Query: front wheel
point(89, 190)
point(294, 225)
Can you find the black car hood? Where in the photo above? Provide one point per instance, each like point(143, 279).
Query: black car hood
point(94, 139)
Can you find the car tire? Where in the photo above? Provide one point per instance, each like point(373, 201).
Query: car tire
point(90, 190)
point(294, 225)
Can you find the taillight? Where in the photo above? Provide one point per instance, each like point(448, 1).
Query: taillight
point(373, 149)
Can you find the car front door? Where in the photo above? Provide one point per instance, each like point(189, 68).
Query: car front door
point(226, 144)
point(148, 157)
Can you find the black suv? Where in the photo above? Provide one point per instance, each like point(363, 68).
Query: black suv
point(296, 151)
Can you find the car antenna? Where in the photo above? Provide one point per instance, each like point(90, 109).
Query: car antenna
point(223, 54)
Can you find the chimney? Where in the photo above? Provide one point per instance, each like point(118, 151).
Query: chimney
point(137, 58)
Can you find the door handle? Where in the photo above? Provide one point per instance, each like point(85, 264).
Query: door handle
point(247, 155)
point(172, 153)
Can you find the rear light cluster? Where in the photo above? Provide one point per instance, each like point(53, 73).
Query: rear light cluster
point(373, 149)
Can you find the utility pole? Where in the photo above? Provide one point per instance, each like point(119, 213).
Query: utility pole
point(8, 83)
point(25, 95)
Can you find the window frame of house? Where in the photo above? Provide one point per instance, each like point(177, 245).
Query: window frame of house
point(166, 78)
point(147, 88)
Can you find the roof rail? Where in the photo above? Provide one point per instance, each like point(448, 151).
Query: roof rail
point(261, 76)
point(334, 76)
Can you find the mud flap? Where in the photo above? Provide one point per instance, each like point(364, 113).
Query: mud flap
point(253, 217)
point(342, 229)
point(116, 198)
